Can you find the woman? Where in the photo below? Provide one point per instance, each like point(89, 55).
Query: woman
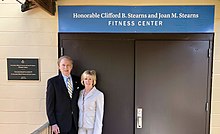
point(91, 105)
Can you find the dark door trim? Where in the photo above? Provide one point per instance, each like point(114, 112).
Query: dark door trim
point(151, 37)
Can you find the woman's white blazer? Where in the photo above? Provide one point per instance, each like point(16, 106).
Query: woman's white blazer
point(91, 110)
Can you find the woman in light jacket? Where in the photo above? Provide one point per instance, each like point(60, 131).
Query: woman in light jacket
point(91, 105)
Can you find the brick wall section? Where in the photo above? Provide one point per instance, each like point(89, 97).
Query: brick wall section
point(31, 34)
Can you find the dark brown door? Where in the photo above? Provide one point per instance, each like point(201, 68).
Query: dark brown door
point(171, 80)
point(114, 63)
point(167, 79)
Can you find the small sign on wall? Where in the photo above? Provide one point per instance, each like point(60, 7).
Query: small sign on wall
point(23, 69)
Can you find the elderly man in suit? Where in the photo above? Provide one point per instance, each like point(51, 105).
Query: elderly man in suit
point(62, 97)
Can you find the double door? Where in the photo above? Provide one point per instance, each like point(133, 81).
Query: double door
point(150, 87)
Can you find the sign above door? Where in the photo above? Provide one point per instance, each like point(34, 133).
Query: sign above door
point(136, 19)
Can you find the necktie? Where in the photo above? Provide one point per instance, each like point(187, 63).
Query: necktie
point(69, 87)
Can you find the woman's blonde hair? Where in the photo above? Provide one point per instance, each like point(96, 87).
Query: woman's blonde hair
point(92, 73)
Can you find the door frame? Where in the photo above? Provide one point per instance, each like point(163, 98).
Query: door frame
point(151, 37)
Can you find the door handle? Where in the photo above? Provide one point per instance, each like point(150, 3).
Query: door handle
point(139, 117)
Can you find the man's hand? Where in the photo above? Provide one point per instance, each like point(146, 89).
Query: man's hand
point(55, 129)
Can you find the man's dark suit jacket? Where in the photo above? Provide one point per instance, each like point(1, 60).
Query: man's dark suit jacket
point(61, 109)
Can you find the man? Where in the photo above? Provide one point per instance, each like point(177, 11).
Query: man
point(62, 97)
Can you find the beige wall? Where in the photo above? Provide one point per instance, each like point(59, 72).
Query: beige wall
point(29, 34)
point(34, 34)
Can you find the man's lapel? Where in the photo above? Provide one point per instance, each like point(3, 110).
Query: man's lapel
point(63, 85)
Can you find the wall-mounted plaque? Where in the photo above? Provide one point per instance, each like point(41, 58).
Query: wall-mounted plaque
point(23, 69)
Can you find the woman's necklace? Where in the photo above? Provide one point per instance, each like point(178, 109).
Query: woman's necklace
point(86, 92)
